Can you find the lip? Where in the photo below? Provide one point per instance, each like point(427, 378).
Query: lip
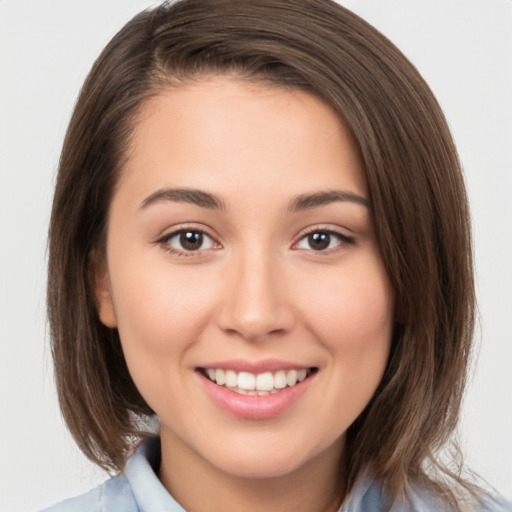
point(262, 366)
point(254, 407)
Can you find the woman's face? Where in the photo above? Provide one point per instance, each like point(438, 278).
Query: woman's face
point(243, 274)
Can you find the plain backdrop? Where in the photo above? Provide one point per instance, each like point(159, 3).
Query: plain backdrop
point(464, 50)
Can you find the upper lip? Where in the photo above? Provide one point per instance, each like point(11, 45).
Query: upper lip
point(261, 366)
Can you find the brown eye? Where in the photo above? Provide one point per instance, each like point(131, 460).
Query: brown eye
point(191, 240)
point(319, 241)
point(323, 241)
point(187, 240)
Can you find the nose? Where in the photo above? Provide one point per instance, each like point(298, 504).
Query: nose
point(256, 304)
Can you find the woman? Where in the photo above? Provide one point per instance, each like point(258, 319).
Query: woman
point(260, 237)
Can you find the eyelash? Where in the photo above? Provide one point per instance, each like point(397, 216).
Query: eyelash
point(164, 241)
point(342, 239)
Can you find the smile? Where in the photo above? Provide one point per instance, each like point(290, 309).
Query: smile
point(260, 384)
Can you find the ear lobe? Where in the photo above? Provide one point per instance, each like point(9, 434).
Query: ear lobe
point(103, 296)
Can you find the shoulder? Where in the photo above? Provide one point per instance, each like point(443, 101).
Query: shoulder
point(495, 504)
point(138, 489)
point(479, 502)
point(115, 495)
point(369, 496)
point(89, 502)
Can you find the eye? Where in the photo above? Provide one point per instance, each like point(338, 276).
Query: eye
point(323, 240)
point(187, 241)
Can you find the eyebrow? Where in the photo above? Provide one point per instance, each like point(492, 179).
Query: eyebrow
point(307, 201)
point(185, 195)
point(207, 200)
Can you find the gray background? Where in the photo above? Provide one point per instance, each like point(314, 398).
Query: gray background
point(464, 50)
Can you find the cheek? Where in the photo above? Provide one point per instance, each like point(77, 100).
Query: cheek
point(352, 310)
point(161, 304)
point(161, 312)
point(161, 315)
point(353, 319)
point(351, 314)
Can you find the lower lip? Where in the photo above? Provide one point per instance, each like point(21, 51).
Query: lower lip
point(255, 407)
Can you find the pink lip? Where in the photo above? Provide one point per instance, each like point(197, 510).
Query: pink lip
point(265, 365)
point(255, 407)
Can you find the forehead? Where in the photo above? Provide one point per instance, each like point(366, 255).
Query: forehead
point(226, 134)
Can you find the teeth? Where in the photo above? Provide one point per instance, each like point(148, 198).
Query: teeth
point(280, 379)
point(301, 375)
point(262, 384)
point(291, 377)
point(220, 377)
point(246, 380)
point(231, 379)
point(264, 381)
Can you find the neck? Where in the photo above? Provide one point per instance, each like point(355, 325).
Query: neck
point(200, 486)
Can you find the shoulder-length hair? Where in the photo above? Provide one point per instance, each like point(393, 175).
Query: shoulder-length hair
point(416, 189)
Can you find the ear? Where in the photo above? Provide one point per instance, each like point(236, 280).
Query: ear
point(102, 293)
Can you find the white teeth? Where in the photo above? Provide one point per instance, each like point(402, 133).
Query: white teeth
point(280, 379)
point(220, 377)
point(264, 381)
point(231, 379)
point(262, 384)
point(291, 377)
point(246, 380)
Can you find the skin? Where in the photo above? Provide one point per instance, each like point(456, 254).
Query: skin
point(255, 289)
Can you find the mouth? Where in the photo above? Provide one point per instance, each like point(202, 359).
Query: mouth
point(257, 384)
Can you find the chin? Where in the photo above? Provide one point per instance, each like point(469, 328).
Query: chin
point(263, 467)
point(259, 460)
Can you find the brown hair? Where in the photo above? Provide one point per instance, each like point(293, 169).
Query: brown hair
point(416, 190)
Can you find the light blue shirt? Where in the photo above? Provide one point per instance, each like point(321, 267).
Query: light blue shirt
point(138, 489)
